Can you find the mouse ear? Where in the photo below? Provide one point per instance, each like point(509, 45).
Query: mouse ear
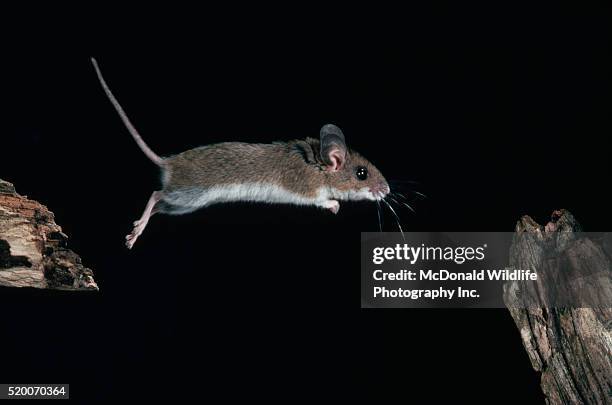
point(333, 147)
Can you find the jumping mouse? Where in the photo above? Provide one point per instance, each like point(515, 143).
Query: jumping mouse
point(311, 171)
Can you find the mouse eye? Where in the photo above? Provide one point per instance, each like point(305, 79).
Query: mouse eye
point(361, 172)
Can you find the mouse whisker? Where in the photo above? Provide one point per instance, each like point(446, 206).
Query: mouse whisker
point(396, 218)
point(409, 207)
point(393, 200)
point(397, 193)
point(380, 224)
point(404, 203)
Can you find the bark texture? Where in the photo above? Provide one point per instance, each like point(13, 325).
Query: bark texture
point(571, 346)
point(33, 248)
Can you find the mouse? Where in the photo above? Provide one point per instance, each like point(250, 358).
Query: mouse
point(308, 172)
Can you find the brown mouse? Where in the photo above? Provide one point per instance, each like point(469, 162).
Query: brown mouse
point(315, 172)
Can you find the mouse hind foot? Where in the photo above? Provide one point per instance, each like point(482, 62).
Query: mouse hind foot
point(141, 224)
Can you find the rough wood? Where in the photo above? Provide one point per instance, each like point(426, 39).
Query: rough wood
point(33, 248)
point(570, 345)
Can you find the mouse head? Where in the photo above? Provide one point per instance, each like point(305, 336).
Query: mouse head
point(350, 175)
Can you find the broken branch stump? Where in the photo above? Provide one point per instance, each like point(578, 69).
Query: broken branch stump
point(33, 248)
point(570, 345)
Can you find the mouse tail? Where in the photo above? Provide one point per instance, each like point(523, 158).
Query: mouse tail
point(143, 146)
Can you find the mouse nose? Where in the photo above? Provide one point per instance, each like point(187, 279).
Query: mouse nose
point(380, 190)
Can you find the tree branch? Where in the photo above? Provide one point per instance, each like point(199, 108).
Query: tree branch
point(33, 248)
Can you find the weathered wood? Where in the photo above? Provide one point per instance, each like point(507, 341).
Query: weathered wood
point(33, 248)
point(570, 345)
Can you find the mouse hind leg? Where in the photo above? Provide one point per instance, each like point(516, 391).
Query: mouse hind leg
point(141, 224)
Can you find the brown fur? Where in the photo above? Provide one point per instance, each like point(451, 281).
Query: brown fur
point(295, 165)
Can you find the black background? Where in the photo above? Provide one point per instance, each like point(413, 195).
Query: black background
point(495, 113)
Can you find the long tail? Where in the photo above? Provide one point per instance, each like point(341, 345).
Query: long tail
point(145, 148)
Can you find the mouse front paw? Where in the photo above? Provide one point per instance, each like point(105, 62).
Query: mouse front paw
point(332, 205)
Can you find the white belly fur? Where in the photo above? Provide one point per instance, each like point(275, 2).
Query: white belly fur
point(255, 192)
